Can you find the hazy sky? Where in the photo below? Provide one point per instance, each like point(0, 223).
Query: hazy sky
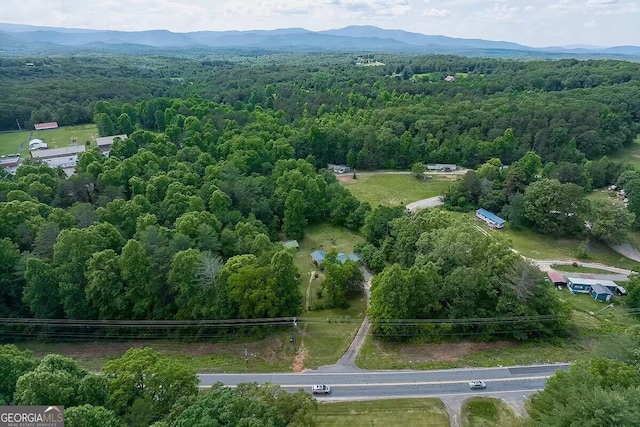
point(531, 22)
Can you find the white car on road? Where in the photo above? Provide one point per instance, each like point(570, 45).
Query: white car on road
point(477, 384)
point(321, 389)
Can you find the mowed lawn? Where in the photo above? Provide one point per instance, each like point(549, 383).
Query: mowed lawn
point(488, 412)
point(395, 189)
point(56, 138)
point(383, 413)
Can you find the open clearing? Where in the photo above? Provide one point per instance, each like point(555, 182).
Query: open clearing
point(488, 412)
point(629, 155)
point(394, 189)
point(328, 335)
point(393, 412)
point(56, 138)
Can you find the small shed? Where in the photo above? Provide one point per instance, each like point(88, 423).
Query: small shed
point(492, 220)
point(291, 244)
point(556, 278)
point(600, 293)
point(317, 257)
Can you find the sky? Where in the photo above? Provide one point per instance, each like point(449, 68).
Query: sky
point(530, 22)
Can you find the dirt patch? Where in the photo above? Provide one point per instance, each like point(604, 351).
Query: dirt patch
point(298, 362)
point(637, 156)
point(449, 352)
point(347, 179)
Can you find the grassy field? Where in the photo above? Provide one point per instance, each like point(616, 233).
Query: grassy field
point(272, 354)
point(540, 246)
point(603, 194)
point(56, 138)
point(488, 412)
point(393, 412)
point(578, 269)
point(629, 155)
point(394, 189)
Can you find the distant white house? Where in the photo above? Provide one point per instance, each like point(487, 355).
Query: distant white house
point(441, 167)
point(449, 78)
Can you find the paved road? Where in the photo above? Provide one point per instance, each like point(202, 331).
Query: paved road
point(386, 384)
point(627, 250)
point(365, 173)
point(431, 202)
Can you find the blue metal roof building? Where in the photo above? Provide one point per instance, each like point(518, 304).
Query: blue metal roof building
point(318, 257)
point(493, 220)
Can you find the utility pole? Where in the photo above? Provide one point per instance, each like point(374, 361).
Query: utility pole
point(293, 334)
point(18, 123)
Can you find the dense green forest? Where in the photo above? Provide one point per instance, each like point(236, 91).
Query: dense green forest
point(370, 117)
point(226, 157)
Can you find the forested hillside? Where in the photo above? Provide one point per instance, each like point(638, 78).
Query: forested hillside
point(167, 230)
point(343, 112)
point(225, 158)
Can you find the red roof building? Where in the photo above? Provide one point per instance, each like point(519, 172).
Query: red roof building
point(43, 126)
point(556, 278)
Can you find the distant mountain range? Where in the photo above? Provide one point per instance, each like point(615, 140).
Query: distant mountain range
point(26, 39)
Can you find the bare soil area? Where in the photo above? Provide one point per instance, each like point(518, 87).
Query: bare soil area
point(347, 179)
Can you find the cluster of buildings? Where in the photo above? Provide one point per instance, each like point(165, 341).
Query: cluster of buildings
point(318, 257)
point(65, 157)
point(600, 290)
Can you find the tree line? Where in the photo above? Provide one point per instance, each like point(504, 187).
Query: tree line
point(369, 117)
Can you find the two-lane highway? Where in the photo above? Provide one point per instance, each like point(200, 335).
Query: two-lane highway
point(395, 384)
